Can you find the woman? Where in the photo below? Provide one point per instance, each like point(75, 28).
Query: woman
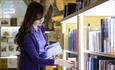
point(32, 41)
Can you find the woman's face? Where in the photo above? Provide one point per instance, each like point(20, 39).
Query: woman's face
point(39, 22)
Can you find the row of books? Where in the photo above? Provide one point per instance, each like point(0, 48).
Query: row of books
point(108, 34)
point(79, 4)
point(73, 40)
point(100, 63)
point(103, 39)
point(71, 53)
point(106, 65)
point(94, 41)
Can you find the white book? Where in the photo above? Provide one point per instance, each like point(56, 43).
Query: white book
point(91, 40)
point(109, 34)
point(112, 35)
point(108, 48)
point(105, 46)
point(89, 63)
point(97, 47)
point(112, 67)
point(12, 62)
point(94, 41)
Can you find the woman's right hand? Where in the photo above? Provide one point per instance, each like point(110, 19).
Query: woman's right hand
point(65, 63)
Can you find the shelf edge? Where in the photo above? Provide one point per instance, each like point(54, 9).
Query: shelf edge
point(99, 53)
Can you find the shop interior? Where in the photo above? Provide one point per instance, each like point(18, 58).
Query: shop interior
point(85, 30)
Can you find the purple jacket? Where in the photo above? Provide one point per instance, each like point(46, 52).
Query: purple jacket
point(29, 56)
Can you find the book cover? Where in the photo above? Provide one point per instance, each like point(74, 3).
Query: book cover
point(53, 50)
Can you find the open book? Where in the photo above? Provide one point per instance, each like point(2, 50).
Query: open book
point(53, 50)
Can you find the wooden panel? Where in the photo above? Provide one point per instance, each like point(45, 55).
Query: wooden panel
point(3, 64)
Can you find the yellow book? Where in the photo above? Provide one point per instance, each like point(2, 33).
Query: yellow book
point(49, 67)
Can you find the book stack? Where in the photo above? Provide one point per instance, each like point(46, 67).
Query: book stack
point(108, 35)
point(103, 39)
point(79, 4)
point(100, 63)
point(73, 42)
point(94, 40)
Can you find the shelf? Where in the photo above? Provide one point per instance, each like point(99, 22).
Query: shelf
point(98, 2)
point(9, 57)
point(104, 8)
point(101, 8)
point(99, 53)
point(72, 52)
point(49, 32)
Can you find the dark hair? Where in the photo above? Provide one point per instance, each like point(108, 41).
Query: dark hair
point(34, 11)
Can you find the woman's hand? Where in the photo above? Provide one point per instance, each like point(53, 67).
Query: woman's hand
point(65, 63)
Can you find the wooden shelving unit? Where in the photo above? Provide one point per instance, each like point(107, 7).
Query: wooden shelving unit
point(65, 55)
point(99, 53)
point(8, 56)
point(99, 8)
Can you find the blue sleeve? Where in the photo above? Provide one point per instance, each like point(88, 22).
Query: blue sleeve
point(29, 48)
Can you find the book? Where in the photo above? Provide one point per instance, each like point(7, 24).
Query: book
point(75, 62)
point(71, 8)
point(93, 40)
point(73, 40)
point(53, 50)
